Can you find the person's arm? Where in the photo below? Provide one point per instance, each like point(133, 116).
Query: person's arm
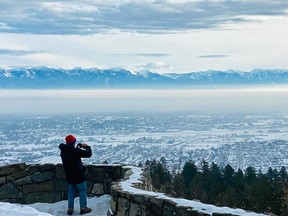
point(86, 152)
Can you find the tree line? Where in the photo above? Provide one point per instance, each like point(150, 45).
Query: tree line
point(224, 186)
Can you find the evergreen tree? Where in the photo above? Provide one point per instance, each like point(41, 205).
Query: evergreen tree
point(178, 185)
point(161, 177)
point(206, 180)
point(284, 199)
point(188, 173)
point(283, 174)
point(272, 174)
point(259, 192)
point(217, 187)
point(228, 173)
point(196, 190)
point(262, 193)
point(250, 174)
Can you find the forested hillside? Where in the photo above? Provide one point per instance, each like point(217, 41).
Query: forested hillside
point(249, 189)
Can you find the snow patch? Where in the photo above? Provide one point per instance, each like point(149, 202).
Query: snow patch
point(8, 209)
point(99, 205)
point(7, 74)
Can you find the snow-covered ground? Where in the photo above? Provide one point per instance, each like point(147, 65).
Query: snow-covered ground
point(99, 207)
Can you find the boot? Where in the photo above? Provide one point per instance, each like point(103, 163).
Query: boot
point(70, 211)
point(85, 210)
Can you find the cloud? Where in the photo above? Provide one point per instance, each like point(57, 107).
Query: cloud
point(63, 8)
point(147, 54)
point(213, 56)
point(152, 54)
point(146, 16)
point(18, 52)
point(153, 66)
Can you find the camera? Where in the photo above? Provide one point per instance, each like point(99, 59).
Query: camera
point(79, 145)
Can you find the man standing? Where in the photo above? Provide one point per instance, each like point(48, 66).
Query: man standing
point(73, 166)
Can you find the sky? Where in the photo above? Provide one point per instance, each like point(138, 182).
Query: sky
point(158, 35)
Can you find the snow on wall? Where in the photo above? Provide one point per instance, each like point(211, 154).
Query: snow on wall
point(129, 196)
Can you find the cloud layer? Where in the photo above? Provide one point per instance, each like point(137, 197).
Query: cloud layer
point(146, 16)
point(158, 35)
point(18, 52)
point(154, 101)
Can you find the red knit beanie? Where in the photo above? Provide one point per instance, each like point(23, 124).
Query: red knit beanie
point(70, 140)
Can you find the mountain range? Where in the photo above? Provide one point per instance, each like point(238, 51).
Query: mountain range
point(121, 78)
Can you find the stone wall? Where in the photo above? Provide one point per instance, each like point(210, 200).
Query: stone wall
point(132, 197)
point(22, 183)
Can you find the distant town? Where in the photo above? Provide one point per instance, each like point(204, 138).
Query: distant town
point(239, 140)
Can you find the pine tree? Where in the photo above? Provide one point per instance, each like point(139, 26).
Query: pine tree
point(178, 185)
point(240, 188)
point(216, 188)
point(188, 173)
point(161, 177)
point(284, 199)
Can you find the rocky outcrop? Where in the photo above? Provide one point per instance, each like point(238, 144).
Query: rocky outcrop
point(22, 183)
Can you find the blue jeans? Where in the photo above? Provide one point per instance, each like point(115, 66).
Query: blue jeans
point(81, 187)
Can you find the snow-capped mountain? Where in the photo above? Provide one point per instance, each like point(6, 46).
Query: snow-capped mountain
point(45, 77)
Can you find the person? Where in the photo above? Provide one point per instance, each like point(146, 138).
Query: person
point(71, 158)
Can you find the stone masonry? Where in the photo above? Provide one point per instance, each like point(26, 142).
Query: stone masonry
point(26, 184)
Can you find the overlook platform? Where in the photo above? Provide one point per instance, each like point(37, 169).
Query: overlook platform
point(129, 187)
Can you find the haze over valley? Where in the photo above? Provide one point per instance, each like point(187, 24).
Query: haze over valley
point(197, 101)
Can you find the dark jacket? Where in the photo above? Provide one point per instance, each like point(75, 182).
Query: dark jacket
point(71, 159)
